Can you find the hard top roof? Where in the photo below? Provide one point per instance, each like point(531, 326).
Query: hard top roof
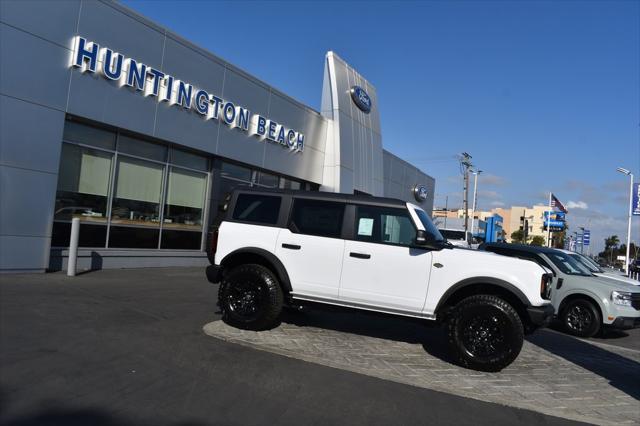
point(326, 196)
point(521, 247)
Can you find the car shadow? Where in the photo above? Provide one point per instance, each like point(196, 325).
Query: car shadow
point(430, 335)
point(621, 372)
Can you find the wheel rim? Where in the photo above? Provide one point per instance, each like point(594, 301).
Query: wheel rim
point(484, 335)
point(579, 318)
point(245, 300)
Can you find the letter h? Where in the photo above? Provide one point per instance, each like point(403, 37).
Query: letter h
point(83, 51)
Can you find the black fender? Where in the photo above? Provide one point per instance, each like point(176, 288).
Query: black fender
point(483, 280)
point(269, 258)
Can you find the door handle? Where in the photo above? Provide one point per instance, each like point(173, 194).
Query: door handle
point(291, 246)
point(360, 255)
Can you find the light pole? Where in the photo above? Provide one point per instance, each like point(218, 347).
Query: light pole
point(475, 197)
point(628, 173)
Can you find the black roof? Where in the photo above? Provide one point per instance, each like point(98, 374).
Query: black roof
point(518, 247)
point(326, 196)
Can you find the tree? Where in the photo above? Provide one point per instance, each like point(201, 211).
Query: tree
point(537, 240)
point(517, 236)
point(610, 244)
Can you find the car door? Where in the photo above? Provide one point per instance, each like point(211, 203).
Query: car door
point(381, 266)
point(311, 248)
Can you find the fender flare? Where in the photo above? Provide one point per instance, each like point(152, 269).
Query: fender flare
point(269, 257)
point(483, 280)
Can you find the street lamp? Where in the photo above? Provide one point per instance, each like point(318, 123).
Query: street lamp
point(628, 173)
point(475, 193)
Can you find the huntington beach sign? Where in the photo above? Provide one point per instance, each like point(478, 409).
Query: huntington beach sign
point(88, 56)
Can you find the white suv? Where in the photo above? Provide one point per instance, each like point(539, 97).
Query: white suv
point(275, 248)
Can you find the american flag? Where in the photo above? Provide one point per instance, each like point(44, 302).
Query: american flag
point(555, 203)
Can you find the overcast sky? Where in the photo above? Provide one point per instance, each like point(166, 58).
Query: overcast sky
point(544, 95)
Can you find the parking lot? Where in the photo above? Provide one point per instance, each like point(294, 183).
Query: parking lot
point(124, 347)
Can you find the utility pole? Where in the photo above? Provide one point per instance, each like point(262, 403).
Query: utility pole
point(475, 198)
point(446, 209)
point(465, 165)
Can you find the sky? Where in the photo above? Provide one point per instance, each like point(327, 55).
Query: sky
point(545, 95)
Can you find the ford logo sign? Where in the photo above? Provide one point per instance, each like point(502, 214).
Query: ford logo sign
point(420, 193)
point(361, 99)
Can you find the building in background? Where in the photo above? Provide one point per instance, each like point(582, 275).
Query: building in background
point(530, 220)
point(108, 117)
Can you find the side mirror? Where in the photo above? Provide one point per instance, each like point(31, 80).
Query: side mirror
point(422, 237)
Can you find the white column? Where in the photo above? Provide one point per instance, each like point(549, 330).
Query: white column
point(73, 247)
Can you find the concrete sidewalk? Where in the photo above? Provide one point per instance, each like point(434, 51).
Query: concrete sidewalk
point(126, 347)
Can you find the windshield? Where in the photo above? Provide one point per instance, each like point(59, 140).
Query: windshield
point(588, 263)
point(568, 265)
point(428, 225)
point(452, 234)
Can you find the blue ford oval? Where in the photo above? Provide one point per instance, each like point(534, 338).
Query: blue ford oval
point(361, 99)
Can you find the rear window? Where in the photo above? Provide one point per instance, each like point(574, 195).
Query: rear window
point(314, 217)
point(261, 209)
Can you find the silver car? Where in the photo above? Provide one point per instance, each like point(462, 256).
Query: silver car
point(584, 302)
point(597, 270)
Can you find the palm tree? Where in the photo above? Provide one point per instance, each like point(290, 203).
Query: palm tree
point(610, 244)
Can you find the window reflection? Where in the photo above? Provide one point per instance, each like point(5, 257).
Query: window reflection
point(137, 196)
point(185, 200)
point(83, 184)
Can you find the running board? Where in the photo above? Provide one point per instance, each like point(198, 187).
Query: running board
point(362, 306)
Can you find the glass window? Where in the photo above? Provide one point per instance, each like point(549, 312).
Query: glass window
point(286, 183)
point(228, 185)
point(384, 225)
point(141, 148)
point(185, 200)
point(187, 159)
point(267, 180)
point(257, 208)
point(568, 265)
point(314, 217)
point(233, 171)
point(76, 132)
point(90, 235)
point(131, 237)
point(137, 194)
point(428, 225)
point(180, 240)
point(83, 184)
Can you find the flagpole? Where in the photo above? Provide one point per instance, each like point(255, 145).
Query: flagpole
point(549, 223)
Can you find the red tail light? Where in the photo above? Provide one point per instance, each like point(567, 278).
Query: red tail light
point(214, 244)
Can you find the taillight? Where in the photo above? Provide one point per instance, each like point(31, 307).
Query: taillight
point(545, 286)
point(214, 244)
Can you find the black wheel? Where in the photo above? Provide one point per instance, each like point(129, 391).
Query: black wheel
point(485, 333)
point(581, 318)
point(250, 298)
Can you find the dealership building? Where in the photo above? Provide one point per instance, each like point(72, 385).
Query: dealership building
point(107, 117)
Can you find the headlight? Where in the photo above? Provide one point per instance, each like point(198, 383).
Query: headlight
point(621, 298)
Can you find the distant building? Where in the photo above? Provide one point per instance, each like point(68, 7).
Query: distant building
point(509, 220)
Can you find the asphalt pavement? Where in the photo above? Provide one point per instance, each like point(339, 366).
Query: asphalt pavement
point(126, 347)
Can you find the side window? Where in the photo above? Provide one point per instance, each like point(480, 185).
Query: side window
point(384, 225)
point(261, 209)
point(314, 217)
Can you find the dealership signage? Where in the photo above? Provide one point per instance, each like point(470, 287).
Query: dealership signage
point(420, 193)
point(635, 205)
point(361, 99)
point(90, 57)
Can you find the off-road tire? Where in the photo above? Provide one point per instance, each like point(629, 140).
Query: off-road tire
point(485, 333)
point(250, 298)
point(581, 318)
